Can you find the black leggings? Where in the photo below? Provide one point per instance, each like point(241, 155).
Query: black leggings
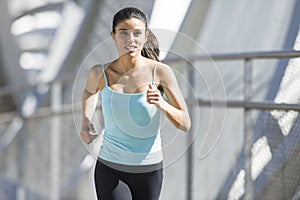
point(112, 184)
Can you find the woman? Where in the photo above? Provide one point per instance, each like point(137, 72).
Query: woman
point(130, 158)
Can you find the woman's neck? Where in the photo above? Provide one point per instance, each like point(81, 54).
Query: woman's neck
point(126, 64)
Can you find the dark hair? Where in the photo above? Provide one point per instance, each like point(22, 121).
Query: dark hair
point(151, 46)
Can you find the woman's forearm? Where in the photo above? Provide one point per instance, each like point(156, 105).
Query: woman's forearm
point(89, 103)
point(179, 118)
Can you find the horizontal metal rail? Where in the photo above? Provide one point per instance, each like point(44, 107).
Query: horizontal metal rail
point(254, 105)
point(265, 105)
point(238, 56)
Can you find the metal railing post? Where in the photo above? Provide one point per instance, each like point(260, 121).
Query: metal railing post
point(248, 130)
point(190, 157)
point(55, 144)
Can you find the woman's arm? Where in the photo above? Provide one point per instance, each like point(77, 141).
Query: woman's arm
point(89, 103)
point(175, 109)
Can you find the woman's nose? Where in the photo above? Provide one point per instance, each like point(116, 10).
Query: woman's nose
point(131, 36)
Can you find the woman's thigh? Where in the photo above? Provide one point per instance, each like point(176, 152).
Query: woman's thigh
point(146, 186)
point(108, 184)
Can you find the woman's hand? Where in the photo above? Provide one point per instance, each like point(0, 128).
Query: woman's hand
point(85, 135)
point(154, 97)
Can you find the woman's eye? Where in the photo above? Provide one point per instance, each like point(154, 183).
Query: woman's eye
point(137, 33)
point(123, 33)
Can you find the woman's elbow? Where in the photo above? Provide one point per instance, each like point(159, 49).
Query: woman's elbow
point(186, 125)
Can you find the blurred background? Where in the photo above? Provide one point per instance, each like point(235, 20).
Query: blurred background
point(237, 63)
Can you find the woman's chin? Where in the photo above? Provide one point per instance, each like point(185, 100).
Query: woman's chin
point(131, 53)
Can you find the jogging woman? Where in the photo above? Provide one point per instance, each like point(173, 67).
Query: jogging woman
point(130, 162)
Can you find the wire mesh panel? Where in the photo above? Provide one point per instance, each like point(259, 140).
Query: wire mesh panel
point(27, 161)
point(275, 162)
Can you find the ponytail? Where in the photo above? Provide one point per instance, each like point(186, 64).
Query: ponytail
point(151, 47)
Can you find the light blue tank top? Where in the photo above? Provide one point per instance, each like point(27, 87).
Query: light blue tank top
point(132, 128)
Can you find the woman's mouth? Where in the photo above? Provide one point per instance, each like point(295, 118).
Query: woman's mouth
point(131, 48)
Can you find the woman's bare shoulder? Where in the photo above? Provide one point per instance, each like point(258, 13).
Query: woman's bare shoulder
point(95, 76)
point(95, 70)
point(163, 69)
point(160, 65)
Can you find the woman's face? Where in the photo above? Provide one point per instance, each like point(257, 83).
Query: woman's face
point(130, 36)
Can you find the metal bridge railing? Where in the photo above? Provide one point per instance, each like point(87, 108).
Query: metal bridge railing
point(247, 104)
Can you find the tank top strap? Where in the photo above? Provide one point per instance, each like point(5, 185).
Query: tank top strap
point(154, 74)
point(104, 74)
